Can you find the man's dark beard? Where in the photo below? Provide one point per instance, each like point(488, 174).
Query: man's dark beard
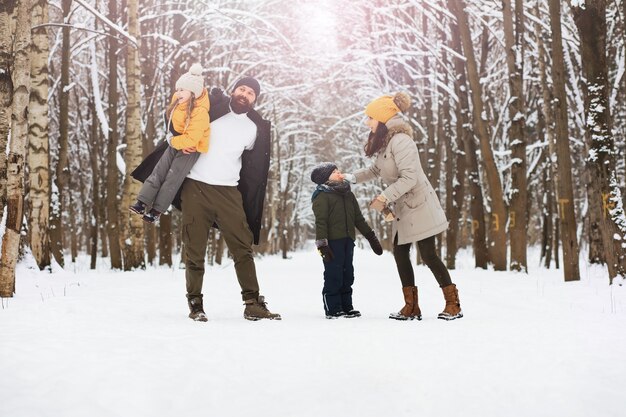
point(239, 107)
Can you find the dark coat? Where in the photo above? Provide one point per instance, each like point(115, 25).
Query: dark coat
point(255, 163)
point(337, 215)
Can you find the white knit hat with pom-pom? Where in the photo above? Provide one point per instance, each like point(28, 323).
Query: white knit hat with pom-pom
point(192, 80)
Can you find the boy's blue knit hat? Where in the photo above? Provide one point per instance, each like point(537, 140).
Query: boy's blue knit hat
point(322, 172)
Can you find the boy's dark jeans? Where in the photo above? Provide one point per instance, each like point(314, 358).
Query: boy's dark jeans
point(339, 277)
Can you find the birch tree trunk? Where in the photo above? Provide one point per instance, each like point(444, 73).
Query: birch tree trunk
point(590, 18)
point(498, 249)
point(17, 150)
point(7, 9)
point(38, 146)
point(518, 197)
point(62, 169)
point(112, 183)
point(567, 217)
point(132, 225)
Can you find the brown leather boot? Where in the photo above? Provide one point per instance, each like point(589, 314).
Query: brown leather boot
point(453, 305)
point(411, 309)
point(257, 310)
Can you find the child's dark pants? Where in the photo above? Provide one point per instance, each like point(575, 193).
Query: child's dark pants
point(339, 277)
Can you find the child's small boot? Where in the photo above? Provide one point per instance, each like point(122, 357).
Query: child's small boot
point(138, 208)
point(151, 216)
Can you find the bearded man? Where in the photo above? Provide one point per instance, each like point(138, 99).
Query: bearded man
point(226, 188)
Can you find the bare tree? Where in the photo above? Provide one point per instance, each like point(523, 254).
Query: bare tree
point(498, 248)
point(567, 217)
point(112, 183)
point(38, 153)
point(132, 226)
point(7, 9)
point(603, 186)
point(465, 135)
point(17, 150)
point(518, 195)
point(62, 172)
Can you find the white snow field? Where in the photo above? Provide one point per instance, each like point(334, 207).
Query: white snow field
point(100, 343)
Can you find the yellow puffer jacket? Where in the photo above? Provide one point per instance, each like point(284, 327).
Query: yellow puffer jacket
point(199, 128)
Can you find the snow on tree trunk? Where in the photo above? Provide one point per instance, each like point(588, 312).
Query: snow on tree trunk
point(62, 171)
point(497, 230)
point(132, 225)
point(564, 160)
point(590, 18)
point(38, 146)
point(518, 194)
point(112, 186)
point(466, 135)
point(17, 150)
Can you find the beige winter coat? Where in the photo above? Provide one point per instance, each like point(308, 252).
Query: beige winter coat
point(417, 208)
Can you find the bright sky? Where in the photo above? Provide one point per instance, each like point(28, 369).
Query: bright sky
point(319, 25)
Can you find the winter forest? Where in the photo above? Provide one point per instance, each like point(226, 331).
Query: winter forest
point(516, 107)
point(518, 111)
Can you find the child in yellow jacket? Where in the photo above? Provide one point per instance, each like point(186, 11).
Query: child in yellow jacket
point(188, 121)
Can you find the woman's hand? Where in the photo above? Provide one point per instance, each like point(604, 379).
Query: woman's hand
point(187, 151)
point(379, 203)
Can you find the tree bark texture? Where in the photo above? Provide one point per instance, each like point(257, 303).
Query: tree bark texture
point(38, 146)
point(565, 201)
point(518, 196)
point(17, 150)
point(132, 225)
point(497, 230)
point(7, 27)
point(112, 137)
point(590, 18)
point(62, 171)
point(465, 136)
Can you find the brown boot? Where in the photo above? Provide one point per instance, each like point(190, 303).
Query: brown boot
point(196, 311)
point(257, 310)
point(453, 305)
point(411, 309)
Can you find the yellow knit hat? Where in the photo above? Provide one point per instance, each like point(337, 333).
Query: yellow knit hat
point(385, 107)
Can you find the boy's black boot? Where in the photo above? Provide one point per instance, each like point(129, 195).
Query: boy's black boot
point(352, 313)
point(335, 315)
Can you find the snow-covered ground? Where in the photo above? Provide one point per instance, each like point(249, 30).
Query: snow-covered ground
point(99, 343)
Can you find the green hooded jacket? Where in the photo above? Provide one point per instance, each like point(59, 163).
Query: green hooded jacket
point(336, 216)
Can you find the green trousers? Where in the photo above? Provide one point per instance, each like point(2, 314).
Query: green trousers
point(203, 205)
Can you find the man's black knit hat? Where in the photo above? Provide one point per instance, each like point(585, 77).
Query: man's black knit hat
point(249, 82)
point(322, 172)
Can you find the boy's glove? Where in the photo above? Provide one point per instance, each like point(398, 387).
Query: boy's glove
point(324, 250)
point(327, 254)
point(374, 243)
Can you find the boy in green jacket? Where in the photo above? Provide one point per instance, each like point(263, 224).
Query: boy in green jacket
point(337, 214)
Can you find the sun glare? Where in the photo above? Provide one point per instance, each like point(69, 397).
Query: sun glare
point(318, 25)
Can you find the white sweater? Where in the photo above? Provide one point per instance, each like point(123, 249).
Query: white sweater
point(231, 134)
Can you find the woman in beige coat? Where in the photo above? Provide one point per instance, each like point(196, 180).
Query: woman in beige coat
point(418, 213)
